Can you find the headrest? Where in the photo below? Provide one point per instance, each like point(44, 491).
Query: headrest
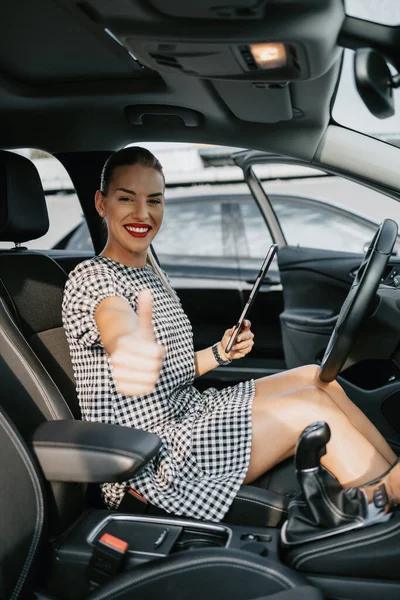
point(23, 211)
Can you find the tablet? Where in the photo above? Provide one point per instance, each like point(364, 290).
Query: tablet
point(255, 289)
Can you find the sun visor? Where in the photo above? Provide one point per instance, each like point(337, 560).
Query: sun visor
point(269, 103)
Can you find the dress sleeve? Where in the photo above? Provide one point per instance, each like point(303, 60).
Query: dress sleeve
point(83, 293)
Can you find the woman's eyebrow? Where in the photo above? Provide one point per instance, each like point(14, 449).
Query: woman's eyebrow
point(134, 193)
point(126, 191)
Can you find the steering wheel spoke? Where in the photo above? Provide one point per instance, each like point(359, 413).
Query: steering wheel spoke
point(355, 307)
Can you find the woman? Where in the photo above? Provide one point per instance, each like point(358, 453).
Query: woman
point(134, 364)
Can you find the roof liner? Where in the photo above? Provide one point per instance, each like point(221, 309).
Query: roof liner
point(66, 84)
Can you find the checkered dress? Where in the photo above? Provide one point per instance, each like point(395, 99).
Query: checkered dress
point(206, 437)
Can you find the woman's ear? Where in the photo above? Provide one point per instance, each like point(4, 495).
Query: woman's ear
point(99, 203)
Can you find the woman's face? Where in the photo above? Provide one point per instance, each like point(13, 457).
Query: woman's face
point(133, 210)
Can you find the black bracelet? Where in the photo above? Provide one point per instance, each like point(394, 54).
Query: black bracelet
point(218, 357)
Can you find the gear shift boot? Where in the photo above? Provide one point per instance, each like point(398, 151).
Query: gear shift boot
point(323, 508)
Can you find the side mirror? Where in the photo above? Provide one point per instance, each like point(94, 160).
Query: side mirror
point(375, 82)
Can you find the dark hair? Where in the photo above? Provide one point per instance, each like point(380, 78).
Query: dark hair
point(128, 156)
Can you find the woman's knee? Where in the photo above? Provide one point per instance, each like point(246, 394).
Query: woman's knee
point(317, 405)
point(309, 375)
point(304, 406)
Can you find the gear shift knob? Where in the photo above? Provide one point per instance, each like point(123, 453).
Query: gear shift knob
point(311, 445)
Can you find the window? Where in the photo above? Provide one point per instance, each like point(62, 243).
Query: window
point(317, 210)
point(79, 240)
point(194, 228)
point(386, 12)
point(63, 206)
point(256, 236)
point(306, 224)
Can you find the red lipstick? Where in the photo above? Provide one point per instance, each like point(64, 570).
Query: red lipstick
point(138, 230)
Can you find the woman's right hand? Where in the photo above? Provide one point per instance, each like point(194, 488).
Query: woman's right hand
point(136, 360)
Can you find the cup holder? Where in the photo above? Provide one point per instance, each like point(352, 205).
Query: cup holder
point(191, 539)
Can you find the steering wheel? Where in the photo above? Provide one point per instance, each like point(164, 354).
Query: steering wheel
point(358, 300)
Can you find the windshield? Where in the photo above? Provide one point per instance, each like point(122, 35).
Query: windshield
point(386, 12)
point(349, 110)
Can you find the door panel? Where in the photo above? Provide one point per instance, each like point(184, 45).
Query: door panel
point(315, 284)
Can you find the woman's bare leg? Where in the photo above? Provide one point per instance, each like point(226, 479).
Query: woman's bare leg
point(279, 420)
point(300, 377)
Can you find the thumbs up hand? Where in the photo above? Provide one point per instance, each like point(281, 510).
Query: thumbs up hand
point(136, 360)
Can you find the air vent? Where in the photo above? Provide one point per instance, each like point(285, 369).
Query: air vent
point(166, 60)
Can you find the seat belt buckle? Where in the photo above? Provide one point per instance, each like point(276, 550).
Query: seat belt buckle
point(107, 559)
point(133, 502)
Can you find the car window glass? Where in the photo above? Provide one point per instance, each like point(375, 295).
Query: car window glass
point(308, 225)
point(192, 228)
point(256, 237)
point(80, 240)
point(319, 210)
point(63, 206)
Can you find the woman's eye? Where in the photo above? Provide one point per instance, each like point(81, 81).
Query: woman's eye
point(155, 201)
point(125, 199)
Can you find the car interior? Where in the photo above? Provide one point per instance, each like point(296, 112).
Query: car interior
point(81, 79)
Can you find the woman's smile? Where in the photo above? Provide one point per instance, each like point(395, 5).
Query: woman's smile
point(138, 230)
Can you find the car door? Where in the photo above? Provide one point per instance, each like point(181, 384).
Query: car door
point(323, 248)
point(321, 244)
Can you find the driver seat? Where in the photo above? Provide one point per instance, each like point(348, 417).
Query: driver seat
point(35, 365)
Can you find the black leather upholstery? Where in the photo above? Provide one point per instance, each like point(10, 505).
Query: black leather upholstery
point(22, 514)
point(370, 552)
point(214, 573)
point(211, 573)
point(255, 506)
point(31, 286)
point(23, 212)
point(78, 451)
point(35, 366)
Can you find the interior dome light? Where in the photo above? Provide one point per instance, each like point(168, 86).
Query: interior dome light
point(269, 55)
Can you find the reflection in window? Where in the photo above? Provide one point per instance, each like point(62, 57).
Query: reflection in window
point(191, 229)
point(311, 226)
point(257, 238)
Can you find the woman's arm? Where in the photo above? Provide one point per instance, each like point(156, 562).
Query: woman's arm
point(205, 360)
point(128, 339)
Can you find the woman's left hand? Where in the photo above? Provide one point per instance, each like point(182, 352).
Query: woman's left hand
point(243, 343)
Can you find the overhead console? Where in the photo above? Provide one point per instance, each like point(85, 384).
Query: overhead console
point(249, 51)
point(244, 40)
point(276, 61)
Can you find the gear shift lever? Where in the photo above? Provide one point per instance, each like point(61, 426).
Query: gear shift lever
point(311, 446)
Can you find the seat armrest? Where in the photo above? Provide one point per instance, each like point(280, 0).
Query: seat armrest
point(85, 452)
point(259, 507)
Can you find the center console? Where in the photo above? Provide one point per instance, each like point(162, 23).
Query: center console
point(148, 538)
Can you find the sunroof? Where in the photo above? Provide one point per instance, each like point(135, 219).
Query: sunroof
point(386, 12)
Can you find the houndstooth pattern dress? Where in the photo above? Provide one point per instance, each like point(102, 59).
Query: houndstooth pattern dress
point(206, 437)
